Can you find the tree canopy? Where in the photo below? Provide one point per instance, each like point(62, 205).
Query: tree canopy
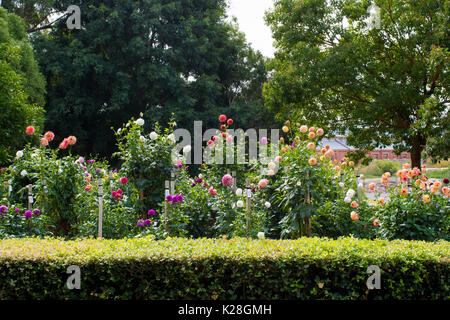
point(378, 73)
point(22, 87)
point(155, 57)
point(36, 13)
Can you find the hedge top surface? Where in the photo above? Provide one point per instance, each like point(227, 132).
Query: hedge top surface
point(86, 250)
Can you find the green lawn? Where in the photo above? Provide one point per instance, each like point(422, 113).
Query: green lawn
point(438, 174)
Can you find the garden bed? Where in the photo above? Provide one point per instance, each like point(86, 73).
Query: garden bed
point(308, 268)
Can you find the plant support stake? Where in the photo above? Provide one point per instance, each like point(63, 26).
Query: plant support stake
point(141, 192)
point(30, 197)
point(100, 208)
point(233, 174)
point(166, 189)
point(358, 186)
point(308, 202)
point(248, 195)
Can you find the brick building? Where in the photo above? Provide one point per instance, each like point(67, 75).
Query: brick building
point(340, 147)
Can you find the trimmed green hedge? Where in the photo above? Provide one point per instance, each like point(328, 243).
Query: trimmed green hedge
point(309, 268)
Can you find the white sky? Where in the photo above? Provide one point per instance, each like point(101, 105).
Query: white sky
point(250, 17)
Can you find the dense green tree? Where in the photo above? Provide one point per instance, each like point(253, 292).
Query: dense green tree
point(21, 86)
point(13, 33)
point(383, 75)
point(149, 56)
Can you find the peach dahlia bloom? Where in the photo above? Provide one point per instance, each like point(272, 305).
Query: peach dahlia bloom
point(71, 140)
point(263, 183)
point(312, 161)
point(354, 216)
point(49, 136)
point(44, 142)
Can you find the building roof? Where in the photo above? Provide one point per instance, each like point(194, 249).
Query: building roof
point(340, 143)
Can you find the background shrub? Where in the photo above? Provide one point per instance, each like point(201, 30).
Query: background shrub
point(378, 167)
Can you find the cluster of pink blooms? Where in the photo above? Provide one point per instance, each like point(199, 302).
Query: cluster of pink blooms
point(224, 134)
point(117, 194)
point(69, 141)
point(197, 181)
point(27, 213)
point(174, 199)
point(48, 137)
point(143, 223)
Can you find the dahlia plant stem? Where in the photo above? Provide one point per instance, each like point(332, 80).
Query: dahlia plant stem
point(308, 202)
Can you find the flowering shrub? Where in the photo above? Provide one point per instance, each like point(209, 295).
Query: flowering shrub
point(301, 191)
point(337, 218)
point(66, 190)
point(308, 179)
point(210, 207)
point(418, 212)
point(16, 222)
point(55, 184)
point(119, 215)
point(147, 159)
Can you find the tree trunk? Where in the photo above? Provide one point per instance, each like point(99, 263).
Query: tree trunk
point(416, 151)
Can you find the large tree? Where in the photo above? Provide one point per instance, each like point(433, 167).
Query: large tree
point(156, 57)
point(377, 73)
point(22, 87)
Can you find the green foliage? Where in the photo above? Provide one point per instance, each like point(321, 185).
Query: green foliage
point(156, 57)
point(210, 269)
point(408, 216)
point(34, 12)
point(66, 190)
point(381, 86)
point(333, 220)
point(303, 188)
point(223, 213)
point(438, 174)
point(14, 223)
point(378, 167)
point(13, 34)
point(21, 86)
point(146, 159)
